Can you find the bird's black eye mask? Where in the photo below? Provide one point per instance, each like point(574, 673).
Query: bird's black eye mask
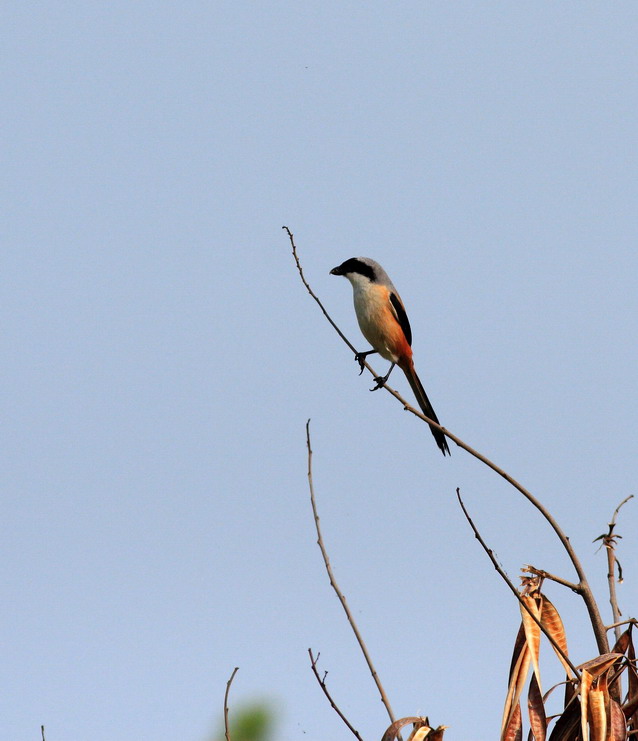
point(354, 265)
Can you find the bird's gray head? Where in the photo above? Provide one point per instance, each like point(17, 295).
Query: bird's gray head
point(361, 266)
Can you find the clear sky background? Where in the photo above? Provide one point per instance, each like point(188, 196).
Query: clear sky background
point(160, 357)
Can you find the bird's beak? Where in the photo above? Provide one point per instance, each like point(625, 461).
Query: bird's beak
point(336, 271)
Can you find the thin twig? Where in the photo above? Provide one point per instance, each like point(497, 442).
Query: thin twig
point(230, 681)
point(42, 731)
point(584, 590)
point(316, 298)
point(630, 621)
point(322, 684)
point(335, 586)
point(617, 510)
point(507, 580)
point(552, 577)
point(609, 540)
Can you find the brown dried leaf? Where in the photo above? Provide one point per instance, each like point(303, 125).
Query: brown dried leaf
point(518, 676)
point(597, 713)
point(633, 683)
point(570, 693)
point(617, 723)
point(622, 644)
point(394, 728)
point(532, 629)
point(437, 734)
point(537, 718)
point(566, 726)
point(586, 680)
point(631, 655)
point(419, 734)
point(518, 647)
point(553, 624)
point(630, 707)
point(600, 664)
point(514, 729)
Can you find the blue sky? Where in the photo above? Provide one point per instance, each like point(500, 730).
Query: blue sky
point(160, 357)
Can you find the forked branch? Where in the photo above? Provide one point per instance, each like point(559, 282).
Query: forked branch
point(609, 540)
point(333, 704)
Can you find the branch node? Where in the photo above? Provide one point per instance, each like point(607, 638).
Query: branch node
point(322, 684)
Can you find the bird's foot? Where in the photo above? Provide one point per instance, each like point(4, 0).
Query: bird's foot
point(360, 357)
point(380, 381)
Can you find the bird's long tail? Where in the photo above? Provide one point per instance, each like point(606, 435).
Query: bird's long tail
point(426, 407)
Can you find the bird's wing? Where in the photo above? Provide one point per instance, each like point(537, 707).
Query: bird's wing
point(401, 316)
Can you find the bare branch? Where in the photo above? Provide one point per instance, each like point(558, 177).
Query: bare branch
point(335, 586)
point(322, 684)
point(546, 575)
point(584, 590)
point(230, 681)
point(515, 591)
point(42, 731)
point(316, 298)
point(617, 510)
point(631, 621)
point(609, 541)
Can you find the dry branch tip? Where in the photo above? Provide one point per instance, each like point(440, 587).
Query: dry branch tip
point(230, 681)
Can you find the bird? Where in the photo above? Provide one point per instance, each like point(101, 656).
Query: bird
point(384, 323)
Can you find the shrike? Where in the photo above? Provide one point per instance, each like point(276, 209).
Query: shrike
point(384, 323)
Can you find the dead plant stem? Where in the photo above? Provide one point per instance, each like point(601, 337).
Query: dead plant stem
point(335, 586)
